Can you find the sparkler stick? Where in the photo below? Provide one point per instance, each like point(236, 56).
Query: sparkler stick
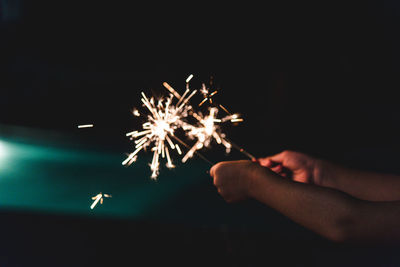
point(250, 156)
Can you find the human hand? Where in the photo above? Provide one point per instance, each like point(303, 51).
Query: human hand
point(236, 179)
point(295, 165)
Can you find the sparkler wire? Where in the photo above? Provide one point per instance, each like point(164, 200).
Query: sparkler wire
point(240, 149)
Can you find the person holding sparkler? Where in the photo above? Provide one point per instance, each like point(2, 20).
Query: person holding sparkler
point(338, 203)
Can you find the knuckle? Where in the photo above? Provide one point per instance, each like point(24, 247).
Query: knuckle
point(287, 152)
point(218, 169)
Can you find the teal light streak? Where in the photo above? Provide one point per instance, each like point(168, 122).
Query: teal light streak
point(44, 176)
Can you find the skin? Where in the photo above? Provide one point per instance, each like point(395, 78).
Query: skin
point(360, 184)
point(340, 204)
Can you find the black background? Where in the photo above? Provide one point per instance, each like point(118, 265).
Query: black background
point(321, 78)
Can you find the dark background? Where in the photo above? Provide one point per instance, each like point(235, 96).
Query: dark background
point(321, 78)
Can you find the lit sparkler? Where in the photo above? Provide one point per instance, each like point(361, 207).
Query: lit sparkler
point(164, 118)
point(158, 131)
point(99, 197)
point(208, 129)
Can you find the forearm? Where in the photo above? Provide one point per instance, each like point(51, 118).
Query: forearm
point(330, 213)
point(360, 184)
point(325, 211)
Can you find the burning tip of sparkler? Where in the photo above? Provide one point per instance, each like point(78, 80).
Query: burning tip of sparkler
point(85, 126)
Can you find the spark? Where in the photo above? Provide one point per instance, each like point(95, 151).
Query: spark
point(85, 126)
point(172, 90)
point(206, 94)
point(189, 78)
point(221, 106)
point(99, 197)
point(135, 112)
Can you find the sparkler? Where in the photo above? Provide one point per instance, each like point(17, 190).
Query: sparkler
point(207, 128)
point(164, 118)
point(205, 132)
point(158, 131)
point(234, 118)
point(99, 197)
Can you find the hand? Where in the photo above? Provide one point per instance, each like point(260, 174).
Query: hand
point(295, 165)
point(235, 179)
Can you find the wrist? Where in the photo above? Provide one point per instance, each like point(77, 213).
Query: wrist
point(256, 181)
point(323, 173)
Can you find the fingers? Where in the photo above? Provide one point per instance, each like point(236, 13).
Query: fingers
point(275, 163)
point(265, 162)
point(273, 160)
point(278, 168)
point(214, 169)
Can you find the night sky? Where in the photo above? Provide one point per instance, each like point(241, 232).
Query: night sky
point(320, 78)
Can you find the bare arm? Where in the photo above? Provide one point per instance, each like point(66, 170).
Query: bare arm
point(365, 185)
point(328, 212)
point(360, 184)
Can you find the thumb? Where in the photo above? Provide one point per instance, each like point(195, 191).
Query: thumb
point(212, 170)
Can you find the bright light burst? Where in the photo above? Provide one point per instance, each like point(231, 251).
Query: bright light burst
point(165, 118)
point(159, 129)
